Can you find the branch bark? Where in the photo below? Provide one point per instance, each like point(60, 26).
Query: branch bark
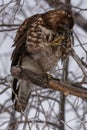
point(80, 21)
point(62, 97)
point(43, 80)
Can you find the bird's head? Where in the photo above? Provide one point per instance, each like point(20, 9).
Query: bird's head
point(59, 20)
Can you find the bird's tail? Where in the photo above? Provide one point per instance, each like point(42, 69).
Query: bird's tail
point(23, 95)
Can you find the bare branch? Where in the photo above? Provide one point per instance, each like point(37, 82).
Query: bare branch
point(80, 21)
point(43, 81)
point(79, 62)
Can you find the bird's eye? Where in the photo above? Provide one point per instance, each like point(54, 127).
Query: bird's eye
point(70, 33)
point(59, 33)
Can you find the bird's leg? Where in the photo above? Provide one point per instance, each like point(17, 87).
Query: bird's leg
point(57, 41)
point(47, 75)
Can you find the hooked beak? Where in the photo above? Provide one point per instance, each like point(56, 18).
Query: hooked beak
point(67, 30)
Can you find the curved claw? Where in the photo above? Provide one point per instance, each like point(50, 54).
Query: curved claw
point(57, 41)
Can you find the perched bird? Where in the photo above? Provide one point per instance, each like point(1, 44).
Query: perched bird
point(39, 44)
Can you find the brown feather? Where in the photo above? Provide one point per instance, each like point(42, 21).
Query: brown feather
point(33, 51)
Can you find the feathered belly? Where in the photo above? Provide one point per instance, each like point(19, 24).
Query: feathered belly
point(48, 58)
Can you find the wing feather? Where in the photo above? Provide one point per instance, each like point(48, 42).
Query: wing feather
point(20, 39)
point(20, 51)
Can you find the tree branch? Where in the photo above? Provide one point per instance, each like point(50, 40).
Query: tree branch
point(43, 80)
point(80, 21)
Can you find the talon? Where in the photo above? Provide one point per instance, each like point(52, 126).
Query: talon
point(49, 76)
point(57, 41)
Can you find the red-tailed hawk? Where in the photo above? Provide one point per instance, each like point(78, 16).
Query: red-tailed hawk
point(39, 43)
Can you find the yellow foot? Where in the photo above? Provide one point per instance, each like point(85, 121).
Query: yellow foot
point(57, 41)
point(49, 76)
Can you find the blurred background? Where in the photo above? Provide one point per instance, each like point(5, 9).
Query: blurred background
point(47, 109)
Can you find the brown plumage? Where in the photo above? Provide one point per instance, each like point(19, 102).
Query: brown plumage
point(35, 48)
